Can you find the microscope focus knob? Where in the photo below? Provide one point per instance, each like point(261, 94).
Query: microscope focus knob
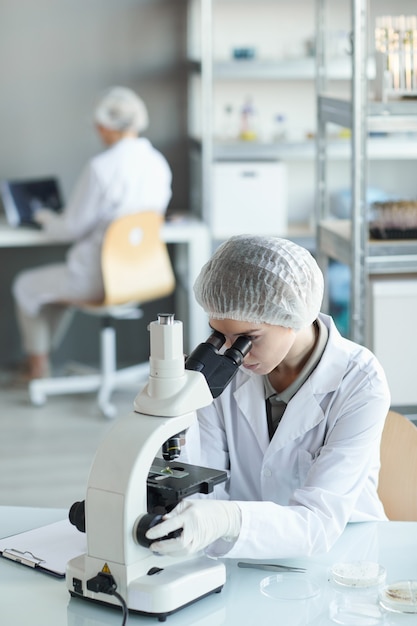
point(146, 522)
point(77, 515)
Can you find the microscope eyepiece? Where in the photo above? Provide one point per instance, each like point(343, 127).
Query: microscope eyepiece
point(218, 369)
point(239, 350)
point(216, 339)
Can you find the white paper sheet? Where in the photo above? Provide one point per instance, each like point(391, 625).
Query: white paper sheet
point(48, 548)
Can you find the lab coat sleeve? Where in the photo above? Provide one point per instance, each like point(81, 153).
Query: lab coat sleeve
point(82, 212)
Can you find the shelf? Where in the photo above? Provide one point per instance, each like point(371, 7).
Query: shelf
point(379, 148)
point(303, 234)
point(394, 116)
point(303, 68)
point(383, 257)
point(258, 151)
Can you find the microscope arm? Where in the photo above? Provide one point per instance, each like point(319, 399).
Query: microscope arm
point(117, 488)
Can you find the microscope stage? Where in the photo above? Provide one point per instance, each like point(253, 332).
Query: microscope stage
point(170, 482)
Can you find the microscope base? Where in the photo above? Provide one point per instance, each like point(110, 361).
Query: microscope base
point(162, 593)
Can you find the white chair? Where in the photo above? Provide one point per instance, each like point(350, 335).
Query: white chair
point(136, 269)
point(398, 474)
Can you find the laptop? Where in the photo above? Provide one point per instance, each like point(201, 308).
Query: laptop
point(20, 198)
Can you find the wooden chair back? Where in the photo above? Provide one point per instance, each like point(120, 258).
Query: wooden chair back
point(398, 474)
point(135, 262)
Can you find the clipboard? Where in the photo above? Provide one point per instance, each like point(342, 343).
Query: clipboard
point(47, 549)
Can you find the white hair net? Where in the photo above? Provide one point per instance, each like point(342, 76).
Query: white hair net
point(122, 109)
point(263, 280)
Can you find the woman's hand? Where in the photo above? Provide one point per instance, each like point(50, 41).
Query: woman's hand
point(201, 522)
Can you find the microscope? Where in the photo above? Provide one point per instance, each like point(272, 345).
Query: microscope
point(131, 484)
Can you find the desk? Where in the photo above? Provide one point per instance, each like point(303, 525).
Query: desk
point(29, 597)
point(192, 237)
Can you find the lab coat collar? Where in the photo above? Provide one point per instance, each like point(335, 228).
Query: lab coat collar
point(303, 411)
point(302, 414)
point(334, 360)
point(250, 399)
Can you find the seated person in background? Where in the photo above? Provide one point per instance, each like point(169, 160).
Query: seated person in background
point(299, 427)
point(130, 175)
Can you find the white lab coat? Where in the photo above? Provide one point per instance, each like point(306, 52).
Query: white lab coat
point(129, 176)
point(319, 472)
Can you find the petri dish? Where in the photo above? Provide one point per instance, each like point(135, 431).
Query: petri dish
point(359, 613)
point(400, 597)
point(358, 574)
point(289, 586)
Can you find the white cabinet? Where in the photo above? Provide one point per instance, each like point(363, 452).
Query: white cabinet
point(249, 197)
point(262, 52)
point(392, 313)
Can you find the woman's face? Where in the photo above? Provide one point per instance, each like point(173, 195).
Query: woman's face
point(270, 344)
point(107, 135)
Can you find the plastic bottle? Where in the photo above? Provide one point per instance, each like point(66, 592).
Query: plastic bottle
point(229, 130)
point(248, 130)
point(280, 127)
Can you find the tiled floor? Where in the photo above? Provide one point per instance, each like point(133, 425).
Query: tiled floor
point(46, 452)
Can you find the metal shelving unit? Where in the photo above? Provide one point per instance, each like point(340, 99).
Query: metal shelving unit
point(348, 241)
point(206, 149)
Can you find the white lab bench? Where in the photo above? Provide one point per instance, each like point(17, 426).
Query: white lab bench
point(30, 597)
point(192, 238)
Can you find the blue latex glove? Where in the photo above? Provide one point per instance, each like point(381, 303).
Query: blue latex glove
point(201, 521)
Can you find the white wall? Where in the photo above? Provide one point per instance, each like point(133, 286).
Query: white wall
point(56, 57)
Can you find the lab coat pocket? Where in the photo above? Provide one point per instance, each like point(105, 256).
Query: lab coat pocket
point(305, 461)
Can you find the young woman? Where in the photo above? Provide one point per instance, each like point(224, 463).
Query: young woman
point(130, 175)
point(298, 429)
